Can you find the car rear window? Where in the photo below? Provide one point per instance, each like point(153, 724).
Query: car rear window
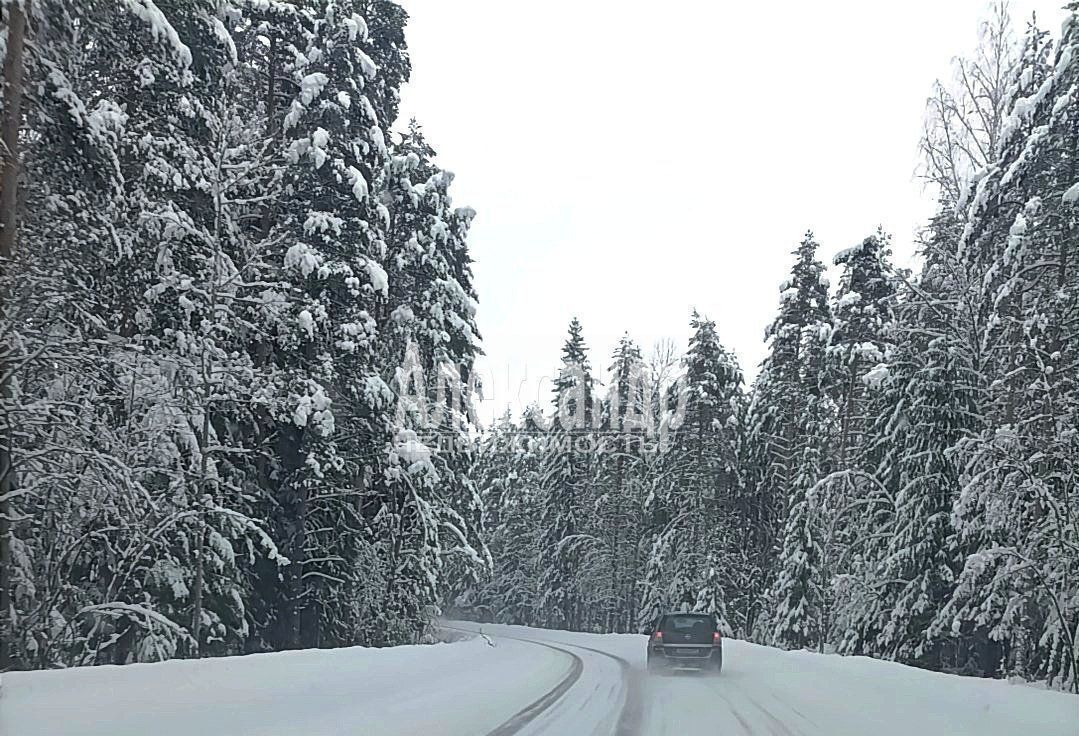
point(687, 623)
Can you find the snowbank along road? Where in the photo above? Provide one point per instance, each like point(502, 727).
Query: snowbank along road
point(516, 680)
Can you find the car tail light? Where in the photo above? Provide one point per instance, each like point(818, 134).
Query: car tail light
point(658, 636)
point(715, 638)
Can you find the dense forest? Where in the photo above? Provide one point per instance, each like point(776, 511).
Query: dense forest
point(900, 478)
point(237, 342)
point(216, 261)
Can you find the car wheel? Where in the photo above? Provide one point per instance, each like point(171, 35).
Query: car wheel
point(652, 665)
point(719, 662)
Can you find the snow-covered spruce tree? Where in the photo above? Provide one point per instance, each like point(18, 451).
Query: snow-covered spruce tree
point(504, 471)
point(862, 315)
point(326, 102)
point(917, 573)
point(932, 397)
point(625, 429)
point(564, 479)
point(710, 437)
point(209, 174)
point(796, 597)
point(492, 472)
point(904, 558)
point(224, 320)
point(775, 435)
point(626, 466)
point(861, 336)
point(531, 463)
point(205, 180)
point(664, 370)
point(605, 545)
point(432, 307)
point(156, 378)
point(376, 257)
point(697, 507)
point(711, 596)
point(321, 347)
point(1018, 484)
point(50, 136)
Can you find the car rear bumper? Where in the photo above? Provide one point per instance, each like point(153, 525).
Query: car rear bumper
point(684, 656)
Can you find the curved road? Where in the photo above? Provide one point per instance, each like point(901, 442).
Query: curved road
point(767, 692)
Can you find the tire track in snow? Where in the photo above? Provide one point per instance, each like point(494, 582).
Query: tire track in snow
point(793, 724)
point(684, 703)
point(794, 709)
point(629, 715)
point(776, 726)
point(788, 730)
point(779, 726)
point(746, 726)
point(531, 711)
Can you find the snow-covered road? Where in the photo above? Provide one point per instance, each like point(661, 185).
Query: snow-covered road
point(764, 691)
point(526, 682)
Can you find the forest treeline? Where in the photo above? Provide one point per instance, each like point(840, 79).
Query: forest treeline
point(236, 370)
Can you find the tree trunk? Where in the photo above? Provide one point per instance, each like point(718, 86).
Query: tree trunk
point(266, 223)
point(12, 123)
point(9, 200)
point(207, 486)
point(292, 510)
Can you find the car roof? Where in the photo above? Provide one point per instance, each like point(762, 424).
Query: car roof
point(696, 615)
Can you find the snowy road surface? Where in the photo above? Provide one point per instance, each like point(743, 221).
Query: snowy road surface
point(529, 682)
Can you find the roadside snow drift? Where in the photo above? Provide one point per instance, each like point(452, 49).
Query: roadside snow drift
point(466, 687)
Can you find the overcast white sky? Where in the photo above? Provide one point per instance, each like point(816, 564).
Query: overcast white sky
point(630, 161)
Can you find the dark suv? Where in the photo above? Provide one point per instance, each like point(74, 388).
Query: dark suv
point(685, 641)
